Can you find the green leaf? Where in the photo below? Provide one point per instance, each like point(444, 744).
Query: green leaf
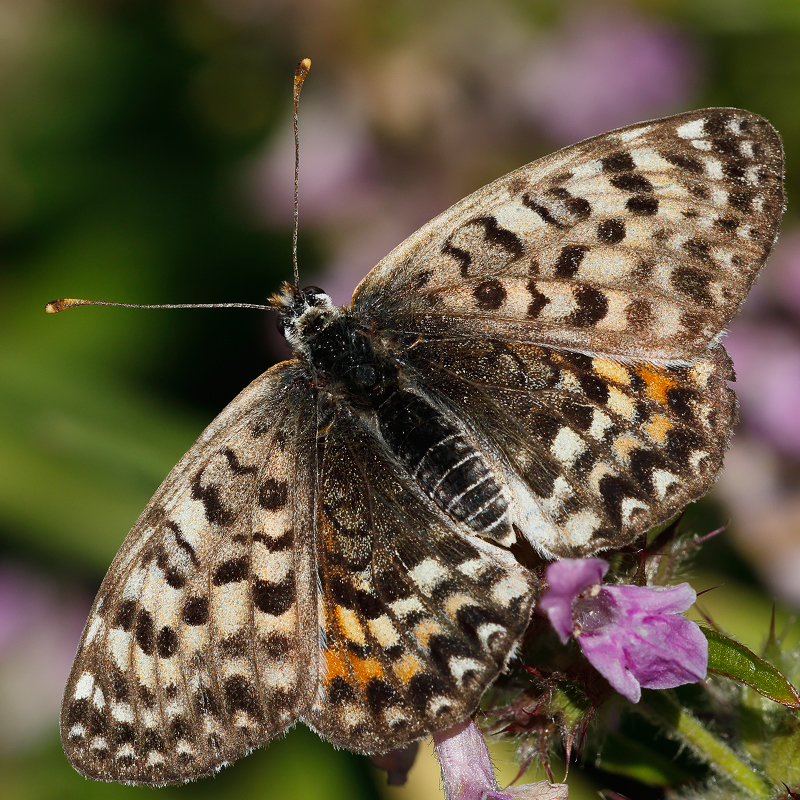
point(735, 661)
point(624, 756)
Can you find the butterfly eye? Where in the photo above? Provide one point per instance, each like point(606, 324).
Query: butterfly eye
point(313, 295)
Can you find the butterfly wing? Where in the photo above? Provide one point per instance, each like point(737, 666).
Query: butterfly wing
point(593, 450)
point(570, 312)
point(202, 640)
point(641, 243)
point(417, 614)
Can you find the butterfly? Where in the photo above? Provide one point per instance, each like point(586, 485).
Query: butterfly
point(541, 363)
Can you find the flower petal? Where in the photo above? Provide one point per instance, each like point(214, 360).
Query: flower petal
point(667, 652)
point(607, 655)
point(653, 599)
point(467, 771)
point(649, 643)
point(567, 578)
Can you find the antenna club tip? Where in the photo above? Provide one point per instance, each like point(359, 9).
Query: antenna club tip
point(54, 306)
point(300, 73)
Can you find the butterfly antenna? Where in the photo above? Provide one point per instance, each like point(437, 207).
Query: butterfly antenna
point(54, 306)
point(299, 76)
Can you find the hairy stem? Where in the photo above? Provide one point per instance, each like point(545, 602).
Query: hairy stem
point(668, 712)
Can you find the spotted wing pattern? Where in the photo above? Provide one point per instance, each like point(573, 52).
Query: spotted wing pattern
point(224, 619)
point(305, 560)
point(594, 450)
point(417, 615)
point(640, 243)
point(571, 312)
point(202, 640)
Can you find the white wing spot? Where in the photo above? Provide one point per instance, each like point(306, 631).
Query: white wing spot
point(460, 666)
point(84, 686)
point(509, 588)
point(406, 606)
point(429, 574)
point(436, 704)
point(629, 505)
point(713, 168)
point(662, 480)
point(691, 130)
point(473, 568)
point(629, 136)
point(567, 445)
point(486, 631)
point(94, 627)
point(580, 526)
point(119, 642)
point(600, 424)
point(122, 712)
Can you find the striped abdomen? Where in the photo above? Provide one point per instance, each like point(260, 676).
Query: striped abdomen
point(447, 466)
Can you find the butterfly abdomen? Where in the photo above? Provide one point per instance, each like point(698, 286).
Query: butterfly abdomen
point(447, 466)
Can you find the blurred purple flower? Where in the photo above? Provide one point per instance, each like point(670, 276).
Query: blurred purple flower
point(634, 636)
point(40, 626)
point(606, 70)
point(468, 774)
point(767, 359)
point(781, 282)
point(337, 167)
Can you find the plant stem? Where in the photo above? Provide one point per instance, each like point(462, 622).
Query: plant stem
point(667, 710)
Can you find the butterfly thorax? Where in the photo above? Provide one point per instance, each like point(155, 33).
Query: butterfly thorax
point(357, 373)
point(336, 345)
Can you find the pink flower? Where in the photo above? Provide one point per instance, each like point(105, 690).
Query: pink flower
point(634, 636)
point(767, 358)
point(607, 70)
point(468, 774)
point(40, 626)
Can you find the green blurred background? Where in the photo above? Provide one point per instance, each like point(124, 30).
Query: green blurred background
point(146, 156)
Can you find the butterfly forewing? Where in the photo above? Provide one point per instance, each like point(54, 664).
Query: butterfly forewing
point(570, 313)
point(642, 243)
point(200, 642)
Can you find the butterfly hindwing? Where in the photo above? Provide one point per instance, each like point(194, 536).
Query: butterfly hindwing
point(593, 450)
point(418, 615)
point(197, 647)
point(642, 242)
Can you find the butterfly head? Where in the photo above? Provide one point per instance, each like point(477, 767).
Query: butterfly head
point(302, 313)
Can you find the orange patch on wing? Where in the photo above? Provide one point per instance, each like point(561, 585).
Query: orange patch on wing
point(624, 444)
point(335, 665)
point(365, 669)
point(407, 667)
point(425, 630)
point(657, 428)
point(611, 370)
point(454, 602)
point(657, 384)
